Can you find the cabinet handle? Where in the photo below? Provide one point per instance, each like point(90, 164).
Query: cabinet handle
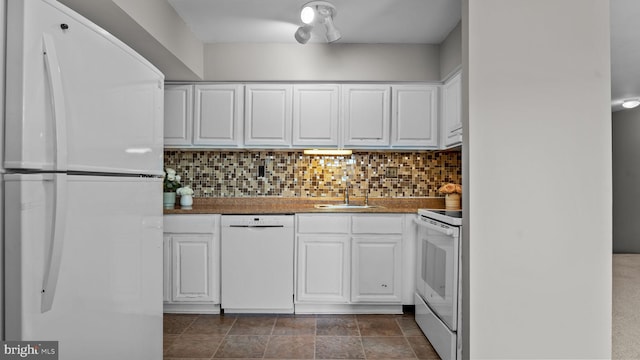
point(256, 226)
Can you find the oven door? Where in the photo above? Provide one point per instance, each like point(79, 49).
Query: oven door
point(437, 268)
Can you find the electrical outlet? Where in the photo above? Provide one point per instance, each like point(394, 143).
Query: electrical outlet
point(260, 171)
point(391, 172)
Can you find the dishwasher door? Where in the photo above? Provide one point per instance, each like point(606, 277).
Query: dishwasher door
point(257, 263)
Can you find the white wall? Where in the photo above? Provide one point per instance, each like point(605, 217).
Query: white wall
point(537, 175)
point(156, 31)
point(626, 177)
point(163, 22)
point(153, 29)
point(321, 62)
point(451, 53)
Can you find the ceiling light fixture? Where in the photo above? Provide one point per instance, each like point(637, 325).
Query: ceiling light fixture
point(630, 103)
point(303, 34)
point(328, 152)
point(317, 12)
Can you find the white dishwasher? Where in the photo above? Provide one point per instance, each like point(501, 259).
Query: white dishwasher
point(257, 263)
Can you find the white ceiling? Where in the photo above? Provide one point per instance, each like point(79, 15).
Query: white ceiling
point(389, 21)
point(625, 51)
point(359, 21)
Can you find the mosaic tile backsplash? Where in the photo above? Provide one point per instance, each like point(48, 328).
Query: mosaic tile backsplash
point(291, 173)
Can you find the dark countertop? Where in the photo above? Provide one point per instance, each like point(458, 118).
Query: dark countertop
point(292, 205)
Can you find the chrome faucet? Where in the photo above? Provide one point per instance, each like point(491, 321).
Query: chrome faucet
point(346, 193)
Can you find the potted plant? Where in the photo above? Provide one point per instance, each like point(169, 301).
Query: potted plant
point(452, 194)
point(186, 197)
point(170, 185)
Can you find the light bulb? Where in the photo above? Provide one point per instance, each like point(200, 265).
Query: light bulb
point(307, 15)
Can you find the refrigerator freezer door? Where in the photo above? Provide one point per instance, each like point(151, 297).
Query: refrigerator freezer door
point(73, 88)
point(108, 294)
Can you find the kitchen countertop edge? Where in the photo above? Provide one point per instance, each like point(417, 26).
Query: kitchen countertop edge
point(289, 205)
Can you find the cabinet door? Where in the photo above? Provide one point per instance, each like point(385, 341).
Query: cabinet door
point(315, 115)
point(323, 269)
point(217, 118)
point(268, 114)
point(166, 269)
point(451, 111)
point(414, 116)
point(366, 115)
point(376, 271)
point(193, 273)
point(178, 116)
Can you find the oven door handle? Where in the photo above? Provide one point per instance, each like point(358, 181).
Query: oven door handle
point(446, 230)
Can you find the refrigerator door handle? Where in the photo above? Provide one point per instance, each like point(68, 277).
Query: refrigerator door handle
point(57, 102)
point(52, 268)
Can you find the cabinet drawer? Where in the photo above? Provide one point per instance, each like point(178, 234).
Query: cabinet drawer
point(323, 224)
point(190, 224)
point(373, 224)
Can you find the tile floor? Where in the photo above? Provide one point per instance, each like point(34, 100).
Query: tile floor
point(294, 337)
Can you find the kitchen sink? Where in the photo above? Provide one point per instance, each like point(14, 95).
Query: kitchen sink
point(345, 206)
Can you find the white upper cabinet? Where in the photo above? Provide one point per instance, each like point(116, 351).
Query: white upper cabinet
point(451, 133)
point(178, 114)
point(268, 115)
point(217, 117)
point(315, 115)
point(366, 115)
point(288, 115)
point(414, 116)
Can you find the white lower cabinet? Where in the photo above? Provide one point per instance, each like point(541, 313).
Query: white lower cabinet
point(192, 263)
point(323, 268)
point(376, 274)
point(345, 263)
point(349, 262)
point(192, 273)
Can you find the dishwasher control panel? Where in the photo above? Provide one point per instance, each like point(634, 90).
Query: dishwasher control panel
point(257, 220)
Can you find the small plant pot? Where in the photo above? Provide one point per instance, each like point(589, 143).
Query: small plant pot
point(452, 201)
point(186, 201)
point(169, 200)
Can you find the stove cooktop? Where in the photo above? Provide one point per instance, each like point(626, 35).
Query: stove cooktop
point(452, 213)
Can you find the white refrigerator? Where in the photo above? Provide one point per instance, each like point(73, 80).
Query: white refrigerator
point(82, 184)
